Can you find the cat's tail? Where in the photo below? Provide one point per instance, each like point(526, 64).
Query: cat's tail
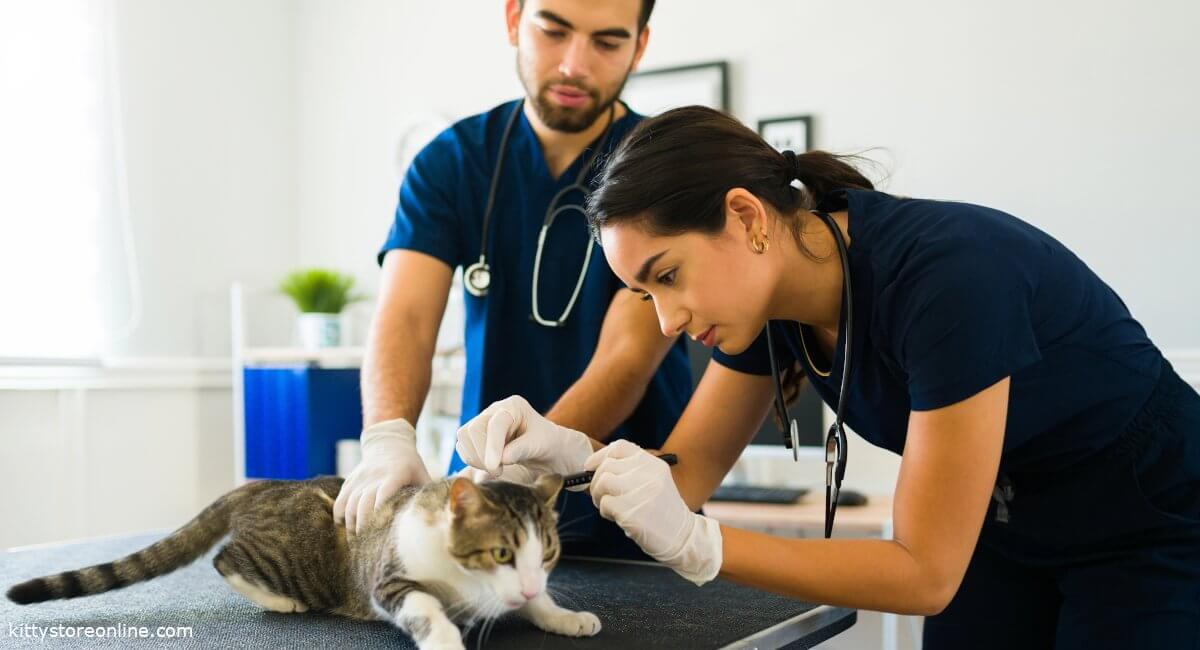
point(176, 550)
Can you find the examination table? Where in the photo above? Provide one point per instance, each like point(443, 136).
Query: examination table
point(640, 606)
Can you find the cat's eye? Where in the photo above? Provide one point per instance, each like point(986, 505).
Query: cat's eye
point(502, 555)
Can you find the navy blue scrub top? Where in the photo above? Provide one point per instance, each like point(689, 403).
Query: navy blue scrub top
point(950, 298)
point(440, 213)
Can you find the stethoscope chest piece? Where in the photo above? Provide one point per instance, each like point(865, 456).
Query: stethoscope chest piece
point(794, 437)
point(477, 278)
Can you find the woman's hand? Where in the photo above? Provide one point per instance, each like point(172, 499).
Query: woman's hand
point(510, 432)
point(635, 489)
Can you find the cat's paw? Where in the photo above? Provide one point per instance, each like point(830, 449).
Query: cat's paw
point(568, 623)
point(449, 640)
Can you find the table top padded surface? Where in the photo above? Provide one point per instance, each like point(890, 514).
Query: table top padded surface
point(639, 605)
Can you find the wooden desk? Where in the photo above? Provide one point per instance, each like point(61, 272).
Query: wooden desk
point(873, 519)
point(806, 518)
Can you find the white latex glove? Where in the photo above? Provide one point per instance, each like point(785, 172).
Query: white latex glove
point(635, 489)
point(511, 433)
point(389, 462)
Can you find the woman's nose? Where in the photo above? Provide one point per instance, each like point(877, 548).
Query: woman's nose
point(671, 322)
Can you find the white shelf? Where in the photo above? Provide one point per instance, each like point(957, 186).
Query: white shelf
point(340, 357)
point(450, 360)
point(441, 406)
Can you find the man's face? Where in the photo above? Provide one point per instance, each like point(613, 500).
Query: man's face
point(573, 56)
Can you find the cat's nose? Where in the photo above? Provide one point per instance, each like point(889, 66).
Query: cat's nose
point(529, 593)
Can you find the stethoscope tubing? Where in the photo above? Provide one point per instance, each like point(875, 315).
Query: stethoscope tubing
point(477, 276)
point(835, 439)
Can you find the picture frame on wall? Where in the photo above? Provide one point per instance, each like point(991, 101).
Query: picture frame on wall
point(651, 92)
point(794, 132)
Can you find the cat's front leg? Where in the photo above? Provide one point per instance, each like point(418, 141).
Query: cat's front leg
point(418, 613)
point(543, 612)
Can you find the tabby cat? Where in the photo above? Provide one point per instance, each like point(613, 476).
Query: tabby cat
point(449, 552)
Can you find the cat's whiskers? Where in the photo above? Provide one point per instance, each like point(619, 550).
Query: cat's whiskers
point(458, 608)
point(572, 538)
point(572, 522)
point(561, 595)
point(495, 610)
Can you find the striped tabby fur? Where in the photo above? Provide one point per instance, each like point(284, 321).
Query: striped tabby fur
point(449, 553)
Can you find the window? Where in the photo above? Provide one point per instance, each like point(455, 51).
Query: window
point(64, 242)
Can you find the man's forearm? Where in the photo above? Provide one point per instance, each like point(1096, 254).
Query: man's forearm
point(601, 399)
point(628, 353)
point(395, 374)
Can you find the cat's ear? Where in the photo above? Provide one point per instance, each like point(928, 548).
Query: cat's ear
point(464, 496)
point(547, 487)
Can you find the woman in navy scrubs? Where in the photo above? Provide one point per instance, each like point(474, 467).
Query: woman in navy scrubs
point(1049, 489)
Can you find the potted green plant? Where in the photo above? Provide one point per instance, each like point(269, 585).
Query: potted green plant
point(320, 295)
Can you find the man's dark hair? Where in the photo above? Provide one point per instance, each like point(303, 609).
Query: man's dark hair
point(643, 18)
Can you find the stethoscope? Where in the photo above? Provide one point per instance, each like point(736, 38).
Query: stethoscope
point(835, 440)
point(477, 278)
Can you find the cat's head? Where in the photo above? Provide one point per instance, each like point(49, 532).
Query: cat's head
point(506, 534)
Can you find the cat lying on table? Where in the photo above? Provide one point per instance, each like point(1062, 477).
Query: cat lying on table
point(432, 558)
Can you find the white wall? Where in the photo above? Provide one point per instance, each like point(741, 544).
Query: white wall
point(368, 72)
point(91, 452)
point(209, 120)
point(207, 92)
point(1077, 116)
point(262, 135)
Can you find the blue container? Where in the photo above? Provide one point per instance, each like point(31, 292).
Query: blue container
point(294, 417)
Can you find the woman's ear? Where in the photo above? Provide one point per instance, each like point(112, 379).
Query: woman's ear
point(745, 216)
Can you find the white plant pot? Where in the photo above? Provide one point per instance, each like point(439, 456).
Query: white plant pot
point(319, 331)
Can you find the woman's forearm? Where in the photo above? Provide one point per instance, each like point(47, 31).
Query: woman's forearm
point(878, 575)
point(696, 477)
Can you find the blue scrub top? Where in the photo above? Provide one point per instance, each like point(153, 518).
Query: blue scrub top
point(440, 213)
point(950, 298)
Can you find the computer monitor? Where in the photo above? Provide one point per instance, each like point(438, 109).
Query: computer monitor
point(808, 409)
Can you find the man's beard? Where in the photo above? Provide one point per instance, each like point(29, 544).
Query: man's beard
point(565, 119)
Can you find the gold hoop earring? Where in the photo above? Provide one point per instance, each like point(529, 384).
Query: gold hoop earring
point(761, 247)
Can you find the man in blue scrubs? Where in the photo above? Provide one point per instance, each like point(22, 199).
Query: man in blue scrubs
point(607, 371)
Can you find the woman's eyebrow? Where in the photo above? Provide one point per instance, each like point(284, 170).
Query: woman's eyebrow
point(644, 272)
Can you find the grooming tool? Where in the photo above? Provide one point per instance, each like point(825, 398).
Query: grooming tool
point(582, 478)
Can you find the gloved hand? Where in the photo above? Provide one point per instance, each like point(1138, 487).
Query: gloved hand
point(389, 462)
point(635, 489)
point(510, 432)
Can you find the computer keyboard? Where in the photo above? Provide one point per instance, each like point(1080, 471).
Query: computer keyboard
point(758, 494)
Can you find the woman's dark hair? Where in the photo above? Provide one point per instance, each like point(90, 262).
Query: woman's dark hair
point(671, 174)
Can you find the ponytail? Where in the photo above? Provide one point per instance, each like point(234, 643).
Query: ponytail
point(672, 172)
point(821, 173)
